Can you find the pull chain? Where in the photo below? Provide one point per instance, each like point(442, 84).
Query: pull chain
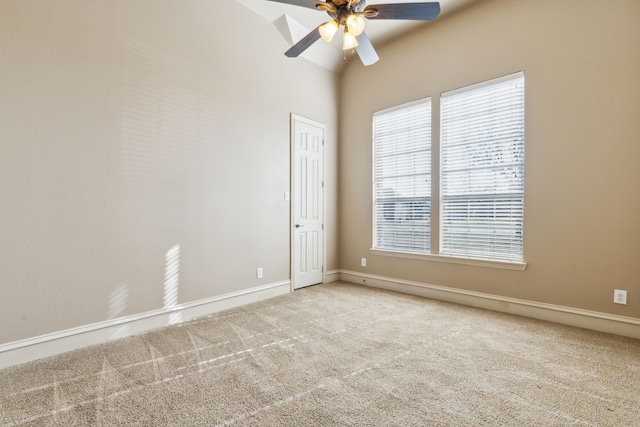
point(344, 54)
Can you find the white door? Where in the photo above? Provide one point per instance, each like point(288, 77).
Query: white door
point(307, 138)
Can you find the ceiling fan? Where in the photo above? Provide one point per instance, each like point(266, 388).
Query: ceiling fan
point(350, 14)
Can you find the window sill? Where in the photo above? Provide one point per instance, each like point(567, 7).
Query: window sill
point(507, 265)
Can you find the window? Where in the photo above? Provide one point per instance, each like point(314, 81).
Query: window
point(402, 177)
point(482, 170)
point(481, 176)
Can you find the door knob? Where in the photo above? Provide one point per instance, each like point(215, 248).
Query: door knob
point(299, 225)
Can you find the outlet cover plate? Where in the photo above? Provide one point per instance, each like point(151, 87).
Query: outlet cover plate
point(620, 296)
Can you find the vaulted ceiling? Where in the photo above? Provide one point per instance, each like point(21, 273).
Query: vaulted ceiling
point(295, 22)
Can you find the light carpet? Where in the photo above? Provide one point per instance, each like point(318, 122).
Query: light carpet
point(336, 355)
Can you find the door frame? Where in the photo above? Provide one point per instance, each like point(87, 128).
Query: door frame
point(292, 191)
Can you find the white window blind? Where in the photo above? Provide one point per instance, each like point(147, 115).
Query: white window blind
point(402, 177)
point(482, 170)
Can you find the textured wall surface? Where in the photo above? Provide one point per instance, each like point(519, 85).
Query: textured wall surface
point(582, 206)
point(144, 157)
point(144, 152)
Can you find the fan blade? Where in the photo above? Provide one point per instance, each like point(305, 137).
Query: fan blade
point(415, 11)
point(303, 44)
point(311, 4)
point(365, 50)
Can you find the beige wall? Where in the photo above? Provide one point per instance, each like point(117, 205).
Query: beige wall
point(130, 127)
point(127, 128)
point(581, 60)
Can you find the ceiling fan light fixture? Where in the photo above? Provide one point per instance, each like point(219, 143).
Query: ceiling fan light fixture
point(328, 30)
point(352, 15)
point(349, 41)
point(355, 23)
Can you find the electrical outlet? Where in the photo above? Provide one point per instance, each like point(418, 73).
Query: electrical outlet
point(620, 297)
point(363, 262)
point(259, 273)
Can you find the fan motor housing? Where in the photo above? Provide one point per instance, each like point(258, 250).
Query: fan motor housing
point(341, 9)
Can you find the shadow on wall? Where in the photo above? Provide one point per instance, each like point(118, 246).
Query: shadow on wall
point(169, 123)
point(119, 297)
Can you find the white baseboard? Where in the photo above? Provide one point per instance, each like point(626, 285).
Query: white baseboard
point(603, 322)
point(23, 351)
point(332, 276)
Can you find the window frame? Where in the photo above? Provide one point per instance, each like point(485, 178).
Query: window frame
point(487, 196)
point(436, 196)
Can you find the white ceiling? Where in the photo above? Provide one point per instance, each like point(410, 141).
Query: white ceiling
point(294, 22)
